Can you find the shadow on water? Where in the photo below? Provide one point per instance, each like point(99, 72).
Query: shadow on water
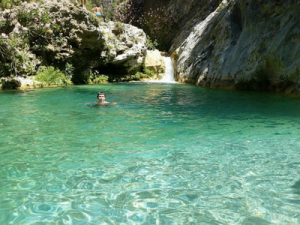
point(255, 220)
point(296, 187)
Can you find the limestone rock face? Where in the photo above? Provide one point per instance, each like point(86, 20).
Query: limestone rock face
point(109, 47)
point(154, 61)
point(81, 40)
point(251, 45)
point(126, 45)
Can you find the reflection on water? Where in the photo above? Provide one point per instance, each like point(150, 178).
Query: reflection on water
point(165, 154)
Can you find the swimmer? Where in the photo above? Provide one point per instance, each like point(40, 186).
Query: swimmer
point(101, 98)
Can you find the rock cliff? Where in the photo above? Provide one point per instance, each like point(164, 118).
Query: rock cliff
point(250, 45)
point(231, 44)
point(65, 33)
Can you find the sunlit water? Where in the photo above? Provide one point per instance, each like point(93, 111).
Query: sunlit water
point(165, 154)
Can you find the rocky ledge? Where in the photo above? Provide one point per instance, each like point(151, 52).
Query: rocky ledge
point(74, 38)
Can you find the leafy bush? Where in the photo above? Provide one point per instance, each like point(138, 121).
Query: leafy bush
point(36, 19)
point(120, 26)
point(109, 12)
point(14, 57)
point(148, 72)
point(151, 45)
point(18, 40)
point(101, 79)
point(4, 22)
point(7, 4)
point(51, 76)
point(96, 78)
point(28, 14)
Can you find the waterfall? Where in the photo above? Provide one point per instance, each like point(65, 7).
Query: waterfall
point(169, 73)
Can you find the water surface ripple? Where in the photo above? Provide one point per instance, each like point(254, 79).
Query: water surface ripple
point(165, 154)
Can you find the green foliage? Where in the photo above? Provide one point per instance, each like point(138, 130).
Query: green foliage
point(142, 75)
point(33, 32)
point(4, 22)
point(26, 16)
point(36, 19)
point(14, 57)
point(69, 70)
point(96, 78)
point(101, 79)
point(120, 26)
point(151, 45)
point(36, 28)
point(92, 3)
point(51, 76)
point(146, 71)
point(110, 14)
point(139, 75)
point(6, 4)
point(149, 73)
point(106, 61)
point(89, 3)
point(94, 19)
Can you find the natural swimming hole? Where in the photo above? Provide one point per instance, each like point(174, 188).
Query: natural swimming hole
point(165, 154)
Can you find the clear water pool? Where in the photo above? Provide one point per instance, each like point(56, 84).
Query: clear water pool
point(165, 154)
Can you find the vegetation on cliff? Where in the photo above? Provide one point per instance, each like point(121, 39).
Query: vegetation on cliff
point(69, 39)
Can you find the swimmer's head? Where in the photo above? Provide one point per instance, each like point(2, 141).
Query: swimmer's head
point(101, 96)
point(100, 93)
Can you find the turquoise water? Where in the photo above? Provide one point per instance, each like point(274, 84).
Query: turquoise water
point(165, 154)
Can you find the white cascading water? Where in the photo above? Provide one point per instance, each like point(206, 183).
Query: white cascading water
point(169, 73)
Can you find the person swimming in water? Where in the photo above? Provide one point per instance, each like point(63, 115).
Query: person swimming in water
point(101, 98)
